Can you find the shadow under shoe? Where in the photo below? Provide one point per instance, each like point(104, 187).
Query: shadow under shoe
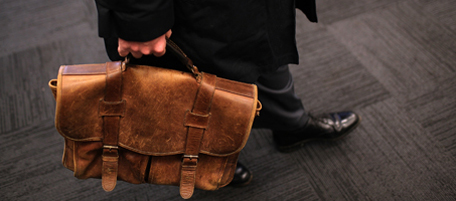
point(330, 127)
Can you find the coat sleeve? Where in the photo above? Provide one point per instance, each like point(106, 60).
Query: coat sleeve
point(308, 7)
point(134, 20)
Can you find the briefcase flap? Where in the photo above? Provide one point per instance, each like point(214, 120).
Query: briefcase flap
point(155, 111)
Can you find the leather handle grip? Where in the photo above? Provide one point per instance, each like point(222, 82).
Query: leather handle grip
point(181, 56)
point(176, 51)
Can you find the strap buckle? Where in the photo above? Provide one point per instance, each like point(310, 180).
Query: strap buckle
point(190, 160)
point(191, 157)
point(110, 147)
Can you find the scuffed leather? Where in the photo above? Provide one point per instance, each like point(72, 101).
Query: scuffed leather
point(188, 177)
point(111, 113)
point(109, 169)
point(160, 97)
point(155, 113)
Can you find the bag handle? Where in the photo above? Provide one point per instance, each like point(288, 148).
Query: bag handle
point(183, 58)
point(176, 51)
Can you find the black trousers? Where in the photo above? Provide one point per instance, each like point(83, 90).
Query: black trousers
point(282, 109)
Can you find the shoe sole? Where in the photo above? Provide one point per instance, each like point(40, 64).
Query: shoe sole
point(294, 147)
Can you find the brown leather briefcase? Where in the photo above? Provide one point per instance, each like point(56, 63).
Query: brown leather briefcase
point(144, 124)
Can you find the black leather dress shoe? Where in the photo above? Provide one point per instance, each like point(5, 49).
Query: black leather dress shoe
point(242, 176)
point(331, 127)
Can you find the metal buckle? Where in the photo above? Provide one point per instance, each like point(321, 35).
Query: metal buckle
point(190, 156)
point(190, 162)
point(110, 147)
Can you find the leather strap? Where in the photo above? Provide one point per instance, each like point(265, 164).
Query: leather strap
point(111, 109)
point(198, 118)
point(176, 51)
point(181, 56)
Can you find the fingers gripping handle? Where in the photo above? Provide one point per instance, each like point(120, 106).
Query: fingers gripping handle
point(176, 51)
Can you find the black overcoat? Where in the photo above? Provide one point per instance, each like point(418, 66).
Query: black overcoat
point(235, 39)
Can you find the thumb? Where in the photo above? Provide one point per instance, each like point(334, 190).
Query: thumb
point(168, 34)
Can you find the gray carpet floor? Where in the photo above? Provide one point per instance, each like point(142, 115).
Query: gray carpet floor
point(392, 61)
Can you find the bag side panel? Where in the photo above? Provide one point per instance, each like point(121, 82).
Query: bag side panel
point(67, 159)
point(228, 171)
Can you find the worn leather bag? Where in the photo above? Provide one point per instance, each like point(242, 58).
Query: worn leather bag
point(144, 124)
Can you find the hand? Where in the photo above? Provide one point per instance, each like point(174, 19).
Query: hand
point(156, 47)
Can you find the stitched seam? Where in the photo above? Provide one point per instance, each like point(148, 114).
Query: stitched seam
point(233, 92)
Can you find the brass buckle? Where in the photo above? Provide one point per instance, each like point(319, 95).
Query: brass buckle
point(190, 162)
point(190, 156)
point(110, 147)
